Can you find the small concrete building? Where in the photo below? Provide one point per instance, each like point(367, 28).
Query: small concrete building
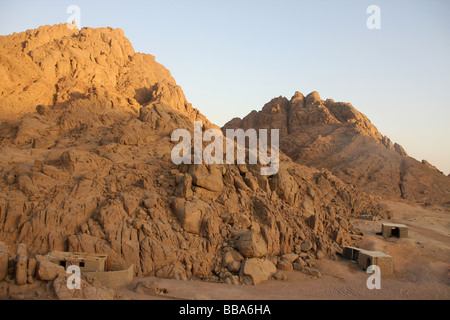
point(366, 258)
point(380, 259)
point(88, 262)
point(394, 230)
point(351, 253)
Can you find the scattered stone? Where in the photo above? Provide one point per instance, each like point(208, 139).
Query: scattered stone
point(306, 246)
point(285, 265)
point(281, 276)
point(312, 272)
point(291, 257)
point(320, 254)
point(149, 287)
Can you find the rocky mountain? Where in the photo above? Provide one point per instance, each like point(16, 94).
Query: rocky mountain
point(85, 165)
point(335, 136)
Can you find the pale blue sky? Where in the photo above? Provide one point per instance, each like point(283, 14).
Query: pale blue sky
point(231, 57)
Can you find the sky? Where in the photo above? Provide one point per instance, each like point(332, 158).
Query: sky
point(231, 57)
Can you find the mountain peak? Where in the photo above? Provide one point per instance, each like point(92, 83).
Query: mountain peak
point(54, 65)
point(336, 136)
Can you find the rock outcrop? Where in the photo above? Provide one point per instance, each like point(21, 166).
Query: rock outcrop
point(85, 166)
point(335, 136)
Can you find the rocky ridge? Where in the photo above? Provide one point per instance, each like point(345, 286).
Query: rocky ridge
point(85, 166)
point(335, 136)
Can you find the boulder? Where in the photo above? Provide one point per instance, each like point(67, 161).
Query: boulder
point(207, 177)
point(91, 289)
point(3, 265)
point(21, 270)
point(232, 260)
point(21, 264)
point(251, 245)
point(306, 246)
point(31, 270)
point(234, 266)
point(255, 270)
point(312, 272)
point(190, 213)
point(290, 257)
point(285, 265)
point(149, 287)
point(47, 270)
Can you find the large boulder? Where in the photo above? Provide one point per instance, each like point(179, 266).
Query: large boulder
point(251, 245)
point(48, 271)
point(190, 213)
point(254, 271)
point(207, 177)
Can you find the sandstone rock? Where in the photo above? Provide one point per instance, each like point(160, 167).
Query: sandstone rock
point(306, 246)
point(285, 265)
point(3, 265)
point(190, 213)
point(320, 254)
point(335, 136)
point(254, 271)
point(312, 272)
point(172, 271)
point(234, 266)
point(298, 266)
point(232, 280)
point(91, 289)
point(232, 260)
point(31, 270)
point(290, 257)
point(208, 177)
point(280, 275)
point(21, 264)
point(239, 220)
point(149, 287)
point(251, 245)
point(48, 271)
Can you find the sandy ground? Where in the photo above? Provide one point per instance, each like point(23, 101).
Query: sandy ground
point(421, 261)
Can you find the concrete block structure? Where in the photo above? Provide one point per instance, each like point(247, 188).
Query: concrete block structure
point(394, 230)
point(366, 258)
point(380, 259)
point(88, 262)
point(351, 253)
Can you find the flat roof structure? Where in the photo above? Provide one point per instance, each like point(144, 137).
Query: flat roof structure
point(366, 258)
point(394, 230)
point(88, 262)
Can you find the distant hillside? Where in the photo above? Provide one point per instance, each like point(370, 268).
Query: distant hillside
point(335, 136)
